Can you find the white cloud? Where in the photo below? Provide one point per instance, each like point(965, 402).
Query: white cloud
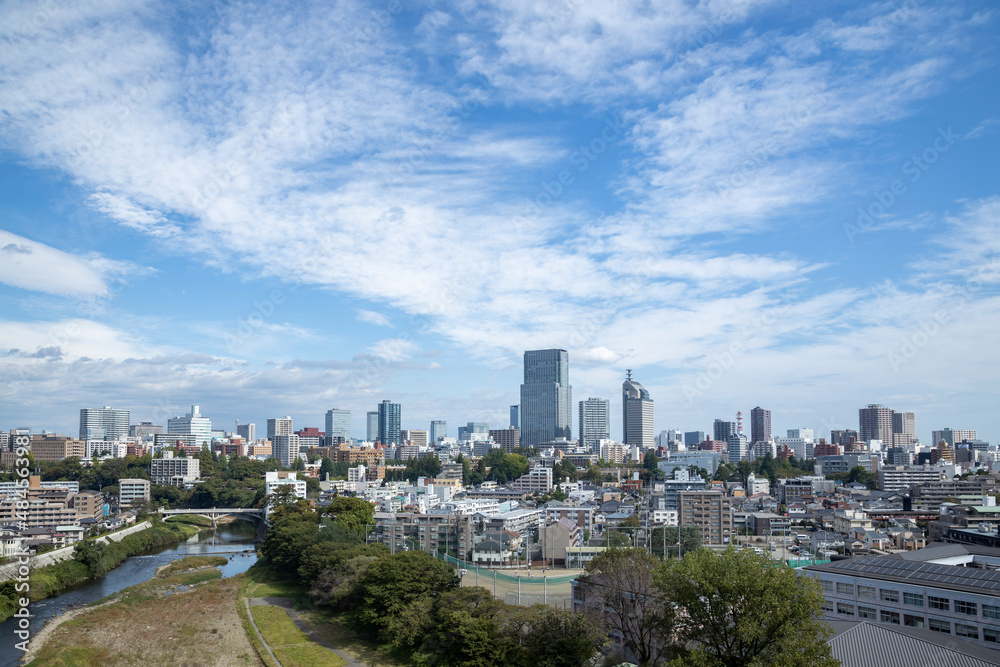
point(35, 266)
point(371, 317)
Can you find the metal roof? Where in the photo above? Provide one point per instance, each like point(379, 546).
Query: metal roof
point(863, 644)
point(951, 577)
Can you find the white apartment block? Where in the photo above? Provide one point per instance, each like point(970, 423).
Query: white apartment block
point(538, 480)
point(130, 490)
point(274, 479)
point(174, 471)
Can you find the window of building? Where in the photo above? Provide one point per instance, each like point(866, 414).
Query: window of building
point(827, 606)
point(826, 585)
point(991, 611)
point(991, 635)
point(845, 589)
point(966, 630)
point(944, 604)
point(913, 621)
point(890, 616)
point(967, 608)
point(845, 609)
point(939, 626)
point(915, 599)
point(889, 595)
point(867, 612)
point(866, 592)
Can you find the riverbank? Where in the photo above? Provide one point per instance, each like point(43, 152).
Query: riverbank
point(185, 615)
point(51, 580)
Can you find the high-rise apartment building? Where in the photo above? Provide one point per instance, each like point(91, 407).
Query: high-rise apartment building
point(952, 436)
point(760, 425)
point(509, 439)
point(371, 434)
point(546, 397)
point(439, 429)
point(721, 430)
point(193, 423)
point(414, 436)
point(279, 426)
point(103, 423)
point(637, 414)
point(595, 423)
point(389, 414)
point(875, 423)
point(285, 448)
point(338, 426)
point(904, 428)
point(247, 431)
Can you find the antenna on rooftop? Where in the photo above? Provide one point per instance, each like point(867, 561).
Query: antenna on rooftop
point(628, 373)
point(739, 421)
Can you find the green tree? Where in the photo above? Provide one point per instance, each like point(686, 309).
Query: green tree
point(392, 583)
point(92, 554)
point(351, 514)
point(650, 461)
point(736, 609)
point(287, 540)
point(621, 582)
point(325, 468)
point(664, 539)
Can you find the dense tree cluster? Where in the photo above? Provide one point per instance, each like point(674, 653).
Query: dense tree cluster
point(711, 609)
point(411, 600)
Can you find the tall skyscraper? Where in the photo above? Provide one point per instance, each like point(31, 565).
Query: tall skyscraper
point(546, 397)
point(372, 432)
point(515, 418)
point(338, 426)
point(389, 422)
point(279, 426)
point(439, 429)
point(760, 425)
point(693, 438)
point(248, 431)
point(721, 430)
point(952, 436)
point(637, 414)
point(904, 428)
point(193, 423)
point(103, 423)
point(875, 423)
point(595, 423)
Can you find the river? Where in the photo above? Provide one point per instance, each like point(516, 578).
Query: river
point(228, 538)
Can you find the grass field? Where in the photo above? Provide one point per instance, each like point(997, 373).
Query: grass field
point(191, 563)
point(334, 629)
point(291, 646)
point(192, 519)
point(147, 626)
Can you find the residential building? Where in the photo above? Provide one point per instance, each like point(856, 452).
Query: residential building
point(338, 426)
point(418, 438)
point(104, 423)
point(286, 448)
point(51, 447)
point(439, 430)
point(537, 480)
point(683, 480)
point(389, 415)
point(161, 440)
point(247, 431)
point(614, 452)
point(173, 470)
point(275, 479)
point(904, 429)
point(370, 457)
point(710, 511)
point(709, 460)
point(844, 437)
point(738, 447)
point(637, 414)
point(279, 426)
point(546, 397)
point(509, 438)
point(875, 423)
point(193, 423)
point(451, 533)
point(951, 436)
point(555, 537)
point(721, 430)
point(901, 478)
point(760, 425)
point(595, 423)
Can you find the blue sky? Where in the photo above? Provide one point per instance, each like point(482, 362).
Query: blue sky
point(272, 209)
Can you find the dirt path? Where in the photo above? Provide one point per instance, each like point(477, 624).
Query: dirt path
point(286, 604)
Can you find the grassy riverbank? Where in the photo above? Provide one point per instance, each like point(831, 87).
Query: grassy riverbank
point(173, 619)
point(48, 581)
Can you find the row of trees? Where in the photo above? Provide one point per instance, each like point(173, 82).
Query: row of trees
point(412, 601)
point(727, 609)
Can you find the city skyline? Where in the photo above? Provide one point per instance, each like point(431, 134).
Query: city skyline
point(263, 209)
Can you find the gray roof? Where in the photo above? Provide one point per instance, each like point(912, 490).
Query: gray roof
point(863, 644)
point(948, 577)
